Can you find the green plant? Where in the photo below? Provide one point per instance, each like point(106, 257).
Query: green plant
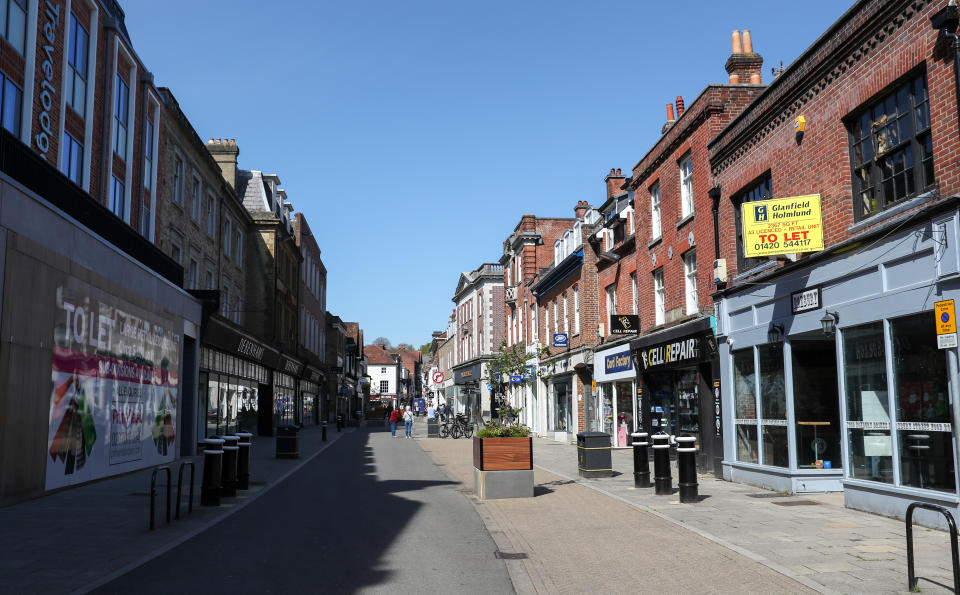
point(498, 430)
point(512, 361)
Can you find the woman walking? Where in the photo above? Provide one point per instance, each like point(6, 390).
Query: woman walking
point(394, 418)
point(408, 422)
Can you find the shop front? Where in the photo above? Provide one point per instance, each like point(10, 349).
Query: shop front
point(560, 407)
point(287, 396)
point(838, 378)
point(228, 395)
point(468, 381)
point(678, 380)
point(614, 397)
point(310, 382)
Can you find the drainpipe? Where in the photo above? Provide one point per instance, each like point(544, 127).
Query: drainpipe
point(714, 194)
point(945, 21)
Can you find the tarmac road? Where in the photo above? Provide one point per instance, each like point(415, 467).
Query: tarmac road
point(372, 514)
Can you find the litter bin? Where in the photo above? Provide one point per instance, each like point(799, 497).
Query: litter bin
point(243, 460)
point(212, 470)
point(288, 442)
point(433, 428)
point(228, 485)
point(593, 454)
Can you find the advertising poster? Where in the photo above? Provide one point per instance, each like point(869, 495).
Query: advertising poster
point(114, 389)
point(782, 226)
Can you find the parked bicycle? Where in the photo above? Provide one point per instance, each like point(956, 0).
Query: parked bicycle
point(457, 427)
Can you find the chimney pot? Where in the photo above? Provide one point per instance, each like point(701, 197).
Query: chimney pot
point(755, 79)
point(679, 106)
point(747, 42)
point(670, 112)
point(618, 171)
point(736, 43)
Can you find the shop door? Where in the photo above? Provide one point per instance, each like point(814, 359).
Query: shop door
point(816, 404)
point(663, 418)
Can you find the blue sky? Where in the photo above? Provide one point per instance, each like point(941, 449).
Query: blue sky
point(414, 134)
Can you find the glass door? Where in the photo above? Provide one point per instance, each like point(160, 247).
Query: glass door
point(624, 396)
point(663, 416)
point(688, 397)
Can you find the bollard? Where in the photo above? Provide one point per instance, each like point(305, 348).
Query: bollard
point(340, 423)
point(323, 431)
point(663, 482)
point(641, 463)
point(228, 484)
point(687, 468)
point(243, 460)
point(212, 464)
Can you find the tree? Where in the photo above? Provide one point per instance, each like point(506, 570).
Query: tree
point(383, 342)
point(512, 361)
point(425, 348)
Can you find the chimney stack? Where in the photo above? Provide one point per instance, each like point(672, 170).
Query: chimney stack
point(744, 65)
point(614, 182)
point(679, 106)
point(225, 151)
point(581, 208)
point(670, 119)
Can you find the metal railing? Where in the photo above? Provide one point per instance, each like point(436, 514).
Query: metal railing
point(911, 573)
point(153, 493)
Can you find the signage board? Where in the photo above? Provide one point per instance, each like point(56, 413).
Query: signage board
point(624, 324)
point(560, 340)
point(617, 362)
point(806, 300)
point(782, 226)
point(516, 379)
point(946, 321)
point(681, 350)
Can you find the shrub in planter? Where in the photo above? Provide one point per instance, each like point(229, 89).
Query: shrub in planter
point(498, 430)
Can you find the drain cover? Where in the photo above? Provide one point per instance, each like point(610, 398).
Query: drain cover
point(797, 503)
point(509, 556)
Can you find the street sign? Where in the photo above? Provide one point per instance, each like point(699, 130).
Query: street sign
point(559, 339)
point(782, 226)
point(515, 379)
point(946, 324)
point(593, 386)
point(437, 377)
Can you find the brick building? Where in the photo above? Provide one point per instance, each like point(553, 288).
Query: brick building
point(312, 317)
point(833, 373)
point(479, 333)
point(530, 248)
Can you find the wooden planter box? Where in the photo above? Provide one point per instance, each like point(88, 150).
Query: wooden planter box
point(503, 454)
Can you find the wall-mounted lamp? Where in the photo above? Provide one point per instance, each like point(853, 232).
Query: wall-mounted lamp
point(829, 323)
point(775, 334)
point(799, 126)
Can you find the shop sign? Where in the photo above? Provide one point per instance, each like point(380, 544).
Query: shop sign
point(946, 324)
point(805, 300)
point(560, 340)
point(114, 389)
point(468, 374)
point(669, 353)
point(617, 362)
point(250, 349)
point(782, 226)
point(291, 367)
point(624, 324)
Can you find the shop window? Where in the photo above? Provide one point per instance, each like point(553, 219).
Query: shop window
point(13, 23)
point(758, 190)
point(891, 151)
point(816, 404)
point(923, 405)
point(773, 405)
point(561, 409)
point(745, 400)
point(868, 409)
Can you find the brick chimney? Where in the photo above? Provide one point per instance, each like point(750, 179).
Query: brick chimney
point(225, 151)
point(679, 106)
point(670, 119)
point(744, 65)
point(614, 182)
point(581, 208)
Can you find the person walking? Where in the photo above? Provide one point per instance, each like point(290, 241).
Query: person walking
point(431, 411)
point(443, 412)
point(408, 422)
point(394, 418)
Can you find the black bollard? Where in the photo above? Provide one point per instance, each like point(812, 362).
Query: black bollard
point(663, 481)
point(340, 423)
point(323, 431)
point(641, 464)
point(212, 466)
point(231, 452)
point(687, 468)
point(243, 460)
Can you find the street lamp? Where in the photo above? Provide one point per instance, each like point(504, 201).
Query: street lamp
point(829, 323)
point(775, 334)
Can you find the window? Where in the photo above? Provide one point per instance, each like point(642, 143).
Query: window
point(686, 186)
point(655, 231)
point(534, 331)
point(148, 155)
point(120, 118)
point(556, 318)
point(118, 198)
point(211, 212)
point(690, 281)
point(658, 297)
point(566, 317)
point(576, 309)
point(176, 250)
point(546, 322)
point(195, 200)
point(13, 23)
point(236, 305)
point(383, 370)
point(146, 221)
point(556, 252)
point(75, 85)
point(193, 273)
point(72, 159)
point(891, 151)
point(633, 292)
point(227, 227)
point(238, 252)
point(758, 190)
point(12, 104)
point(225, 300)
point(384, 387)
point(611, 299)
point(208, 279)
point(178, 181)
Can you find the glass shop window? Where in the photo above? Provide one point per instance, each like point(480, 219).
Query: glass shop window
point(746, 405)
point(868, 408)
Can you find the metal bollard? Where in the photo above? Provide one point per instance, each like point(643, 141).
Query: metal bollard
point(687, 468)
point(212, 470)
point(641, 463)
point(153, 493)
point(663, 481)
point(228, 486)
point(323, 431)
point(340, 423)
point(243, 460)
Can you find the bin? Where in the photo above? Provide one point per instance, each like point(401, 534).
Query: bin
point(593, 454)
point(212, 465)
point(243, 460)
point(433, 428)
point(288, 442)
point(228, 485)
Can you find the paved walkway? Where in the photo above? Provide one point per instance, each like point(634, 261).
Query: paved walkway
point(812, 539)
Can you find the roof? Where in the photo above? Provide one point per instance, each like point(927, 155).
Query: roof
point(376, 354)
point(353, 330)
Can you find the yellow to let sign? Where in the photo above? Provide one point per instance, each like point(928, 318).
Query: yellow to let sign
point(782, 226)
point(946, 317)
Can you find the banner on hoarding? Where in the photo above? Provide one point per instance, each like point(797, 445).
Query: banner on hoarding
point(782, 226)
point(114, 393)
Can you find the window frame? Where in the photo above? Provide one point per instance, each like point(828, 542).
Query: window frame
point(118, 202)
point(659, 298)
point(11, 5)
point(691, 293)
point(686, 185)
point(72, 163)
point(656, 219)
point(761, 188)
point(74, 54)
point(121, 105)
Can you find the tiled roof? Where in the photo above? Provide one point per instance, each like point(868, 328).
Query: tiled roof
point(376, 354)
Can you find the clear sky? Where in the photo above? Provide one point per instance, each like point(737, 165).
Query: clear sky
point(414, 134)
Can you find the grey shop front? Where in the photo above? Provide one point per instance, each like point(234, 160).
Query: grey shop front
point(678, 387)
point(468, 382)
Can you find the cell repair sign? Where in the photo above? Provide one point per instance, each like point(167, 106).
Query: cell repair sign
point(782, 226)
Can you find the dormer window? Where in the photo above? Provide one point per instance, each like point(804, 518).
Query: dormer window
point(577, 234)
point(556, 252)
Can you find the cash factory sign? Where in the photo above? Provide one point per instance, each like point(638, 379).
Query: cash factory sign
point(782, 226)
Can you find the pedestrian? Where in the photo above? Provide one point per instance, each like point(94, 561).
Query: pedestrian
point(431, 411)
point(394, 418)
point(408, 422)
point(443, 412)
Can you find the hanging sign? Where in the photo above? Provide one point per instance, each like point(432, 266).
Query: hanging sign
point(559, 339)
point(782, 226)
point(805, 300)
point(946, 324)
point(624, 324)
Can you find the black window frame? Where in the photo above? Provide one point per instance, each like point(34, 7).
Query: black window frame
point(759, 189)
point(893, 161)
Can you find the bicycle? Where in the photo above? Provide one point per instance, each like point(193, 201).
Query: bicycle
point(461, 427)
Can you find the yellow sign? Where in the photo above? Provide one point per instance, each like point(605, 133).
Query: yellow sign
point(946, 317)
point(593, 385)
point(782, 226)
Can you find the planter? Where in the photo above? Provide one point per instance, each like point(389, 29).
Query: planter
point(503, 467)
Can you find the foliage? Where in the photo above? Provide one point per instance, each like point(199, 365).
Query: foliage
point(512, 361)
point(383, 342)
point(425, 348)
point(498, 430)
